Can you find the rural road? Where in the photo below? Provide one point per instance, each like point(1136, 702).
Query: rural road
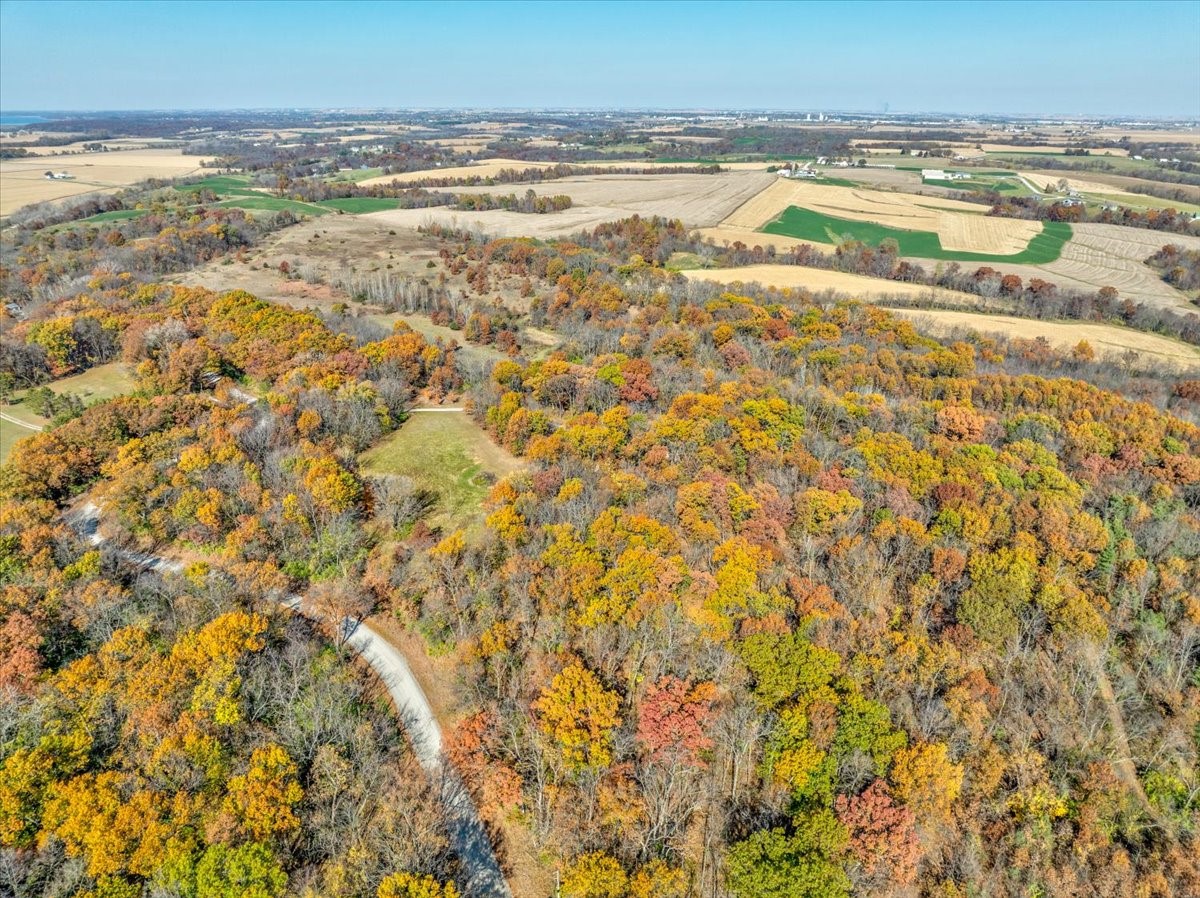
point(480, 870)
point(19, 423)
point(430, 408)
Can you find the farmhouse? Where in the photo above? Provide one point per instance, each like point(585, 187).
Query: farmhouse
point(788, 171)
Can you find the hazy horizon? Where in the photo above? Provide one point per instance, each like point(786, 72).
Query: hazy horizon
point(981, 59)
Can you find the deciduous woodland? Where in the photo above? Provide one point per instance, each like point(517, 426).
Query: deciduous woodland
point(785, 600)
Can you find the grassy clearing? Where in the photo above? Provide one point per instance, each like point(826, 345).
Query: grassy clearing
point(999, 185)
point(117, 215)
point(9, 435)
point(96, 384)
point(360, 204)
point(92, 386)
point(259, 202)
point(684, 262)
point(805, 224)
point(238, 185)
point(356, 174)
point(445, 452)
point(434, 332)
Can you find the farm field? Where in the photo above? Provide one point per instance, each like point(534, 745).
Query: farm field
point(1048, 182)
point(488, 168)
point(448, 453)
point(1103, 255)
point(1020, 158)
point(729, 234)
point(698, 200)
point(1106, 339)
point(23, 181)
point(1092, 256)
point(818, 279)
point(807, 224)
point(1122, 183)
point(267, 203)
point(960, 226)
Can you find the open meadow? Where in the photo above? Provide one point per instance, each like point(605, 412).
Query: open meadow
point(447, 452)
point(97, 384)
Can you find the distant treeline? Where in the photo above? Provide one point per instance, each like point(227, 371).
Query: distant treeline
point(1032, 208)
point(657, 240)
point(554, 172)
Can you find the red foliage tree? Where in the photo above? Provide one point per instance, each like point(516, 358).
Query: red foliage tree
point(673, 717)
point(883, 837)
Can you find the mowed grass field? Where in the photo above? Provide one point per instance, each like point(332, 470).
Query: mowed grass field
point(9, 435)
point(92, 386)
point(806, 224)
point(445, 452)
point(237, 192)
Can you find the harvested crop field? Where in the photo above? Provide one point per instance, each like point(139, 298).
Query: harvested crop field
point(1106, 181)
point(1049, 181)
point(807, 224)
point(1102, 255)
point(488, 168)
point(1105, 339)
point(961, 226)
point(818, 279)
point(23, 181)
point(698, 200)
point(502, 223)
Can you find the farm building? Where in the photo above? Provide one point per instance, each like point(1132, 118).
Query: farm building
point(59, 176)
point(936, 174)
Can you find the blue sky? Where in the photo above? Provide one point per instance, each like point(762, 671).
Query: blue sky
point(1028, 58)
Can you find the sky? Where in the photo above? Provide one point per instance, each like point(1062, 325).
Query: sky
point(1093, 58)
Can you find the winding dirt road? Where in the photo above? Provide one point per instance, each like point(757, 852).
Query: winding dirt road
point(481, 874)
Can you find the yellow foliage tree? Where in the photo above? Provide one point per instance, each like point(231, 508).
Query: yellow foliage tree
point(925, 778)
point(578, 713)
point(261, 800)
